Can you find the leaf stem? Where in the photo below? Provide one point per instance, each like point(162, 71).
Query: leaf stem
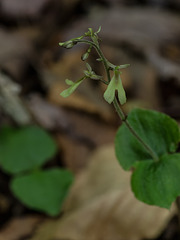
point(123, 117)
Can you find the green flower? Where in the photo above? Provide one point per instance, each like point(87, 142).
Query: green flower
point(72, 88)
point(91, 74)
point(115, 84)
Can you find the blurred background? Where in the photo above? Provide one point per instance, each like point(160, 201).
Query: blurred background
point(33, 67)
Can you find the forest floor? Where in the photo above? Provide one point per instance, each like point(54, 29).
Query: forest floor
point(100, 205)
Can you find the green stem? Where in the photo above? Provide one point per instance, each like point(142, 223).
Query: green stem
point(146, 146)
point(116, 104)
point(119, 110)
point(124, 119)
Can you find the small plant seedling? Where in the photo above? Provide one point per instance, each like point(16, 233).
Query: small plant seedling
point(23, 152)
point(147, 141)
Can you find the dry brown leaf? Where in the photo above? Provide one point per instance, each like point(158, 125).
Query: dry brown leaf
point(75, 154)
point(46, 114)
point(18, 228)
point(85, 133)
point(46, 231)
point(101, 206)
point(91, 128)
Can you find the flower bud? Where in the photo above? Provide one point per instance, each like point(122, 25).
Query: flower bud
point(85, 56)
point(69, 44)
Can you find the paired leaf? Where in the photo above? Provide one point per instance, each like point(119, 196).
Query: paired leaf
point(153, 182)
point(43, 190)
point(157, 183)
point(157, 130)
point(24, 149)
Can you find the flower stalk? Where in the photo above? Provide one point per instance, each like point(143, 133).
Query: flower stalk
point(114, 83)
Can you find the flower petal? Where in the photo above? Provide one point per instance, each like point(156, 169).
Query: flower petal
point(115, 84)
point(121, 92)
point(110, 91)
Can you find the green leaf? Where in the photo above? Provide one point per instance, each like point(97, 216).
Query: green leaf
point(73, 85)
point(25, 148)
point(159, 131)
point(43, 190)
point(157, 183)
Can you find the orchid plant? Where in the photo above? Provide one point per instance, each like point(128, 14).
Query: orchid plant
point(147, 141)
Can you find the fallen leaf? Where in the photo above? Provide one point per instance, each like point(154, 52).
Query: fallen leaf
point(74, 152)
point(101, 206)
point(18, 228)
point(85, 133)
point(46, 114)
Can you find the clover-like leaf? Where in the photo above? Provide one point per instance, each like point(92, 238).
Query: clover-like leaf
point(159, 131)
point(25, 148)
point(157, 183)
point(43, 190)
point(154, 181)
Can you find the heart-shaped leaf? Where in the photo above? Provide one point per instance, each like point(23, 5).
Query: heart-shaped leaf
point(159, 132)
point(43, 190)
point(25, 148)
point(157, 183)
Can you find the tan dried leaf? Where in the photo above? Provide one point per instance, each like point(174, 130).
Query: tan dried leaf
point(101, 205)
point(18, 228)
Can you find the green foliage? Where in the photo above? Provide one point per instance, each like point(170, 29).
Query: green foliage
point(22, 152)
point(155, 182)
point(157, 130)
point(25, 149)
point(43, 190)
point(146, 142)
